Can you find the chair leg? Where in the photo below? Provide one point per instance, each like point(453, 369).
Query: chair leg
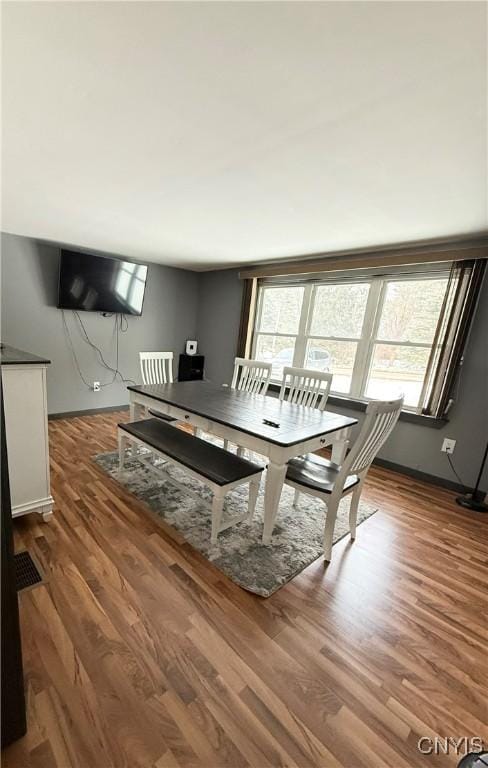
point(253, 497)
point(296, 497)
point(217, 511)
point(332, 506)
point(240, 451)
point(226, 445)
point(353, 509)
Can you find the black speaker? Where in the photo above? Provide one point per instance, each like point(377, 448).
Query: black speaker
point(190, 367)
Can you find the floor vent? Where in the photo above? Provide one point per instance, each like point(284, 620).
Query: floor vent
point(26, 572)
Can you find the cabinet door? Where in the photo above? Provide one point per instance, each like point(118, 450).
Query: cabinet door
point(24, 389)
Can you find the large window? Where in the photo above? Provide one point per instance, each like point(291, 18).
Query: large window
point(374, 335)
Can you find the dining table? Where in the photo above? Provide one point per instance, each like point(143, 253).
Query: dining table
point(274, 428)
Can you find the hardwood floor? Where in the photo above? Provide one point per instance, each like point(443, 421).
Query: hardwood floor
point(138, 653)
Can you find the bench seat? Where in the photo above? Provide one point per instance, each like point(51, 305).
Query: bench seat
point(216, 467)
point(208, 460)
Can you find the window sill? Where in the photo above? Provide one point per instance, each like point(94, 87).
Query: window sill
point(360, 405)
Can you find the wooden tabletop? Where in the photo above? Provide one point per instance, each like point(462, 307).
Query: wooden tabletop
point(248, 413)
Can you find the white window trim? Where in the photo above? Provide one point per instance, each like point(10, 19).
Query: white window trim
point(368, 339)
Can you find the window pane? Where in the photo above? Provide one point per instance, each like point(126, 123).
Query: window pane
point(281, 309)
point(395, 370)
point(338, 310)
point(334, 356)
point(411, 310)
point(278, 350)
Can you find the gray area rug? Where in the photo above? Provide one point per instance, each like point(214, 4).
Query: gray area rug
point(239, 552)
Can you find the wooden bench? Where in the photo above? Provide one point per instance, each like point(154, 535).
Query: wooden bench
point(216, 468)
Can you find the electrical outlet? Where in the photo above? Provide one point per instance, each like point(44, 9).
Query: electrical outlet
point(96, 388)
point(448, 445)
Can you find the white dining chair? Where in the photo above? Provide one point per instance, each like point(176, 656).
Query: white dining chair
point(303, 386)
point(316, 476)
point(251, 376)
point(157, 368)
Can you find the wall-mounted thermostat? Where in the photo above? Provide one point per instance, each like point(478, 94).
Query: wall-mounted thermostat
point(191, 347)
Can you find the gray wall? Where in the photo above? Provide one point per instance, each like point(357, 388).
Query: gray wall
point(411, 445)
point(31, 321)
point(219, 313)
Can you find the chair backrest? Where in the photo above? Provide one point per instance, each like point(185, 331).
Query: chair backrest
point(303, 386)
point(251, 376)
point(156, 367)
point(381, 417)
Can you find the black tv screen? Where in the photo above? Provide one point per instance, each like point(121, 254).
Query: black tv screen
point(100, 284)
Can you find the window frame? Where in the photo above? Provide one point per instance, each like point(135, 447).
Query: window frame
point(259, 309)
point(368, 340)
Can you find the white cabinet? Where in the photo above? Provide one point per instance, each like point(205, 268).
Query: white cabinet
point(25, 402)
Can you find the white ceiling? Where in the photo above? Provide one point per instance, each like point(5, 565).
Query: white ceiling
point(214, 134)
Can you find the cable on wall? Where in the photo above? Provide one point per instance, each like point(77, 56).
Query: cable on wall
point(464, 487)
point(73, 353)
point(119, 325)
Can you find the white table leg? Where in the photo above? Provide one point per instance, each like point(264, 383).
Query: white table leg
point(274, 485)
point(134, 415)
point(339, 450)
point(136, 409)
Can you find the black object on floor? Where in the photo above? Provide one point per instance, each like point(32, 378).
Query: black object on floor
point(190, 367)
point(476, 499)
point(26, 572)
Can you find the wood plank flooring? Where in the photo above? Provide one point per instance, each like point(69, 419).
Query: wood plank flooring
point(138, 653)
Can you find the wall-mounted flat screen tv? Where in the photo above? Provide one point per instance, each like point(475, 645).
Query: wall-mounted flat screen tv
point(100, 284)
